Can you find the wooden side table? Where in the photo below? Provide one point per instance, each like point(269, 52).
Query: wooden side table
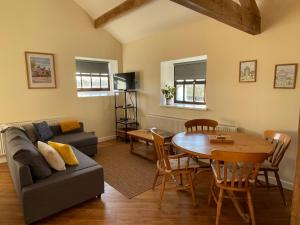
point(146, 136)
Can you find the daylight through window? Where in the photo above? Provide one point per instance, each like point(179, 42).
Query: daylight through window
point(190, 80)
point(92, 75)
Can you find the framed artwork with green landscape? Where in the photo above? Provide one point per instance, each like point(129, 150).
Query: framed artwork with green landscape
point(248, 71)
point(40, 70)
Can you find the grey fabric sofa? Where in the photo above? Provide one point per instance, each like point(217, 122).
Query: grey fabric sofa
point(86, 142)
point(41, 198)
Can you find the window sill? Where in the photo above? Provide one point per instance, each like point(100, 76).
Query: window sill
point(185, 106)
point(87, 94)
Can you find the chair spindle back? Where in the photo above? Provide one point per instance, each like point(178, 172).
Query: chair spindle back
point(200, 125)
point(163, 162)
point(280, 142)
point(236, 169)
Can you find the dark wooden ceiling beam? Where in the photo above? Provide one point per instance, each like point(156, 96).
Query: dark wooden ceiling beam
point(250, 5)
point(245, 17)
point(119, 10)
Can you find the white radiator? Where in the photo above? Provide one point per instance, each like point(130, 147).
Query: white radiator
point(2, 146)
point(19, 124)
point(176, 125)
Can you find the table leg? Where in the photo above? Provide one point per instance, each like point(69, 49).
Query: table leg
point(131, 144)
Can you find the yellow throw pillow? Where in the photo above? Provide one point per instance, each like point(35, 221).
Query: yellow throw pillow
point(66, 152)
point(69, 125)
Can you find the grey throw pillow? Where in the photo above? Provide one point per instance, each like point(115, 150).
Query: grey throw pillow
point(23, 151)
point(43, 131)
point(31, 133)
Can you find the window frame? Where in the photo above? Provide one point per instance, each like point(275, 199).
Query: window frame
point(194, 82)
point(92, 89)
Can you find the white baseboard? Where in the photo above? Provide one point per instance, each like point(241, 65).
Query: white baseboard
point(2, 159)
point(272, 180)
point(108, 138)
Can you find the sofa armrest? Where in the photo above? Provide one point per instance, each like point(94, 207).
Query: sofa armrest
point(81, 129)
point(20, 174)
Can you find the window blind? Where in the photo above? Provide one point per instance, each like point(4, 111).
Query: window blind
point(85, 66)
point(190, 70)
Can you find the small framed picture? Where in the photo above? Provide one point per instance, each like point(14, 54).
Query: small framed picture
point(248, 71)
point(40, 70)
point(285, 76)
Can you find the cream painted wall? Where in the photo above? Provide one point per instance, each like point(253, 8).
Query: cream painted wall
point(252, 106)
point(60, 27)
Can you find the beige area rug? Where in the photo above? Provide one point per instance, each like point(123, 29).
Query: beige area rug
point(131, 175)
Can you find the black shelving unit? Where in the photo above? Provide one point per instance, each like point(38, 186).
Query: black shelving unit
point(125, 113)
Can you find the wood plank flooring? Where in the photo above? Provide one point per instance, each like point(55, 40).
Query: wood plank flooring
point(177, 208)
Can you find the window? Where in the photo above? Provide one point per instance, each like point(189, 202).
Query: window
point(190, 80)
point(92, 75)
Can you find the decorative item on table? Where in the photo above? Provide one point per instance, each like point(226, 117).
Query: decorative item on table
point(220, 138)
point(248, 71)
point(169, 93)
point(285, 76)
point(40, 70)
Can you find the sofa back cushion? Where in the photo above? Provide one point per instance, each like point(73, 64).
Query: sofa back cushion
point(43, 131)
point(21, 149)
point(31, 132)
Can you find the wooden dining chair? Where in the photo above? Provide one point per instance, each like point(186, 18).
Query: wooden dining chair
point(200, 125)
point(173, 167)
point(280, 142)
point(234, 172)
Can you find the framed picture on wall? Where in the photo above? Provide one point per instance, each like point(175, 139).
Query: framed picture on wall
point(248, 71)
point(285, 76)
point(40, 70)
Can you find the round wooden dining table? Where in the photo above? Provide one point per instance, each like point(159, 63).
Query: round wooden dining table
point(198, 143)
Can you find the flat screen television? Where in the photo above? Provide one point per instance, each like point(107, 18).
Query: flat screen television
point(124, 81)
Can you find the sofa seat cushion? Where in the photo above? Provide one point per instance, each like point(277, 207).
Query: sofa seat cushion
point(77, 140)
point(84, 162)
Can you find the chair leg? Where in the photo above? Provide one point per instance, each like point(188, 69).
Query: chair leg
point(192, 188)
point(266, 179)
point(219, 206)
point(251, 208)
point(210, 191)
point(155, 179)
point(162, 188)
point(181, 179)
point(280, 187)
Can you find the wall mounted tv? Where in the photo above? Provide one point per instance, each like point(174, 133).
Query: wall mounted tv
point(125, 81)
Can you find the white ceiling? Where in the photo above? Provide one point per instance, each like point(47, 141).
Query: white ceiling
point(143, 21)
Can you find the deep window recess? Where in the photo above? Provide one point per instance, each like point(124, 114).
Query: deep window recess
point(190, 80)
point(92, 75)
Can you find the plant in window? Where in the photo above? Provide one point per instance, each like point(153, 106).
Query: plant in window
point(169, 93)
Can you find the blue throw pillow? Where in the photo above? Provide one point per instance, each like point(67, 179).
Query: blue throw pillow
point(43, 131)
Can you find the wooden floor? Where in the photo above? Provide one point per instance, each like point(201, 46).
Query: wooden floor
point(177, 208)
